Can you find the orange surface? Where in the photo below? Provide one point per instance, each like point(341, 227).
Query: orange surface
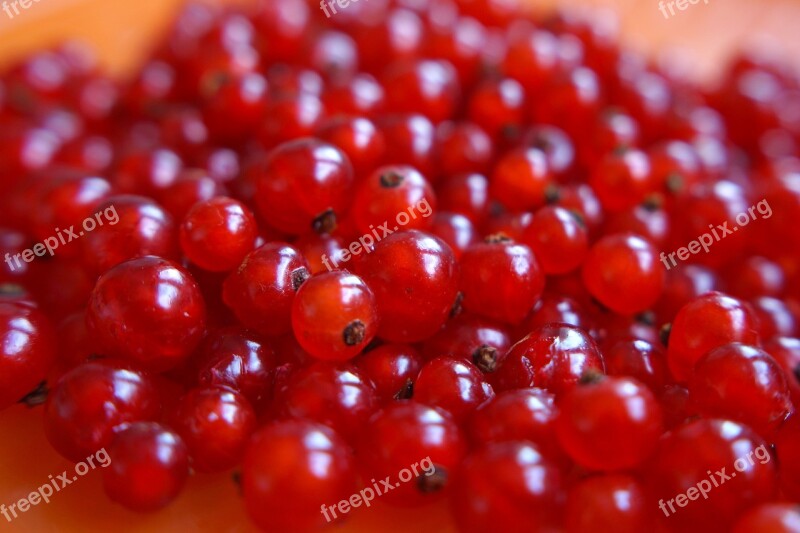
point(698, 39)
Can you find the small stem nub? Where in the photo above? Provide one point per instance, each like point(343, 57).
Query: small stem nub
point(37, 396)
point(435, 482)
point(390, 180)
point(457, 307)
point(299, 277)
point(406, 392)
point(591, 377)
point(663, 334)
point(485, 358)
point(497, 238)
point(325, 223)
point(354, 333)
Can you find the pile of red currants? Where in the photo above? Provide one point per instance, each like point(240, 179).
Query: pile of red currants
point(259, 306)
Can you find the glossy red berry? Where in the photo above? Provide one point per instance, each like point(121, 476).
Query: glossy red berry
point(729, 462)
point(27, 350)
point(334, 316)
point(774, 517)
point(609, 502)
point(218, 233)
point(337, 396)
point(521, 179)
point(261, 291)
point(609, 424)
point(558, 238)
point(703, 324)
point(741, 383)
point(142, 228)
point(429, 87)
point(622, 179)
point(639, 359)
point(297, 465)
point(149, 466)
point(500, 280)
point(148, 311)
point(455, 385)
point(92, 402)
point(416, 295)
point(393, 197)
point(215, 424)
point(553, 357)
point(488, 476)
point(405, 433)
point(623, 273)
point(393, 369)
point(304, 184)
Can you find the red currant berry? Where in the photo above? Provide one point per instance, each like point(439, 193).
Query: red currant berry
point(91, 402)
point(393, 369)
point(147, 310)
point(27, 350)
point(337, 396)
point(217, 234)
point(334, 316)
point(405, 433)
point(455, 385)
point(500, 280)
point(611, 502)
point(742, 383)
point(149, 466)
point(215, 424)
point(558, 239)
point(414, 278)
point(295, 465)
point(609, 423)
point(487, 477)
point(304, 184)
point(705, 323)
point(261, 291)
point(622, 271)
point(552, 357)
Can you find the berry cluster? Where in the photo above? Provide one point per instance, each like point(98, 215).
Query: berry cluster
point(525, 337)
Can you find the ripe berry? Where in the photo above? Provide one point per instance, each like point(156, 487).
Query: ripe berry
point(334, 316)
point(215, 424)
point(521, 179)
point(622, 179)
point(636, 358)
point(487, 477)
point(558, 239)
point(27, 350)
point(142, 228)
point(777, 517)
point(518, 415)
point(217, 234)
point(732, 463)
point(705, 323)
point(416, 294)
point(609, 423)
point(622, 271)
point(470, 338)
point(392, 368)
point(389, 192)
point(741, 383)
point(400, 435)
point(500, 280)
point(337, 396)
point(609, 502)
point(92, 402)
point(149, 311)
point(149, 466)
point(304, 184)
point(552, 357)
point(297, 465)
point(261, 291)
point(237, 360)
point(455, 385)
